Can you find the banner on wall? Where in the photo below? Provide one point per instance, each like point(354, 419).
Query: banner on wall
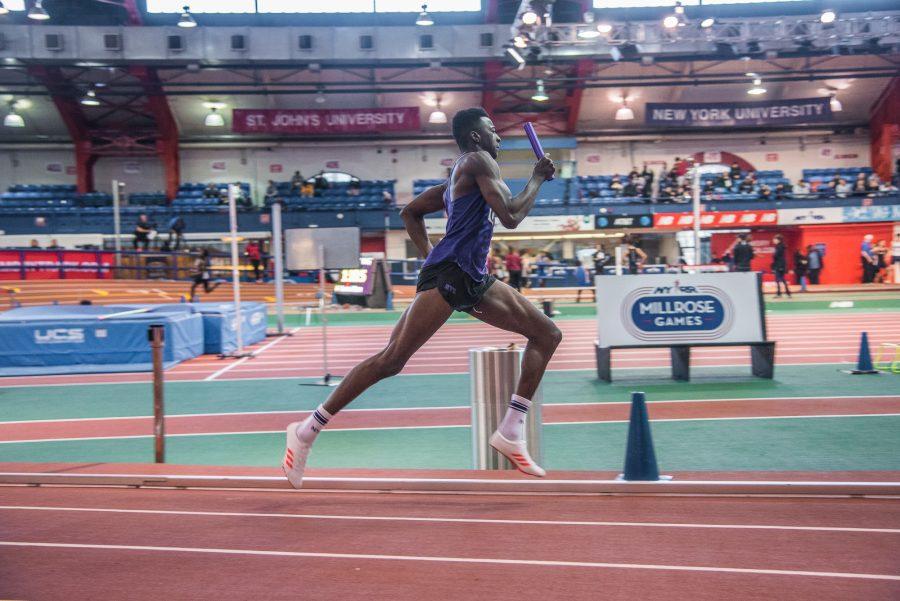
point(615, 221)
point(53, 265)
point(325, 121)
point(717, 219)
point(717, 114)
point(678, 309)
point(871, 213)
point(810, 216)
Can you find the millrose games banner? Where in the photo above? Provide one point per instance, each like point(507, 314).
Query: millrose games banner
point(713, 114)
point(678, 309)
point(325, 121)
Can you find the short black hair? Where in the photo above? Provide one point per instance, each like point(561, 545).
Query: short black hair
point(465, 121)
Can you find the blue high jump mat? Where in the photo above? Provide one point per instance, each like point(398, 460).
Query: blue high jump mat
point(74, 339)
point(220, 325)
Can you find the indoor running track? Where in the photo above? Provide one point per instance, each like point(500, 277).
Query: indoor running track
point(117, 543)
point(802, 339)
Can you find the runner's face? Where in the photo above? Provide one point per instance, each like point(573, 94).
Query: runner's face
point(490, 141)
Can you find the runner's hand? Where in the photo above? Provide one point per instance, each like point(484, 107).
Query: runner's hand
point(544, 168)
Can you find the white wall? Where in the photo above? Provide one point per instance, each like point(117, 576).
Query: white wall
point(788, 154)
point(36, 167)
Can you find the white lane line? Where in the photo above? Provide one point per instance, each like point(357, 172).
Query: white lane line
point(448, 520)
point(439, 559)
point(860, 398)
point(243, 360)
point(437, 427)
point(317, 373)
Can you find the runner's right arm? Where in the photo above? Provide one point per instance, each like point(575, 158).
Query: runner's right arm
point(511, 210)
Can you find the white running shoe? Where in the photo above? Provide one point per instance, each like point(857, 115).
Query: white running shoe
point(295, 455)
point(517, 453)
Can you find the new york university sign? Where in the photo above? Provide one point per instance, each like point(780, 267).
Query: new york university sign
point(709, 114)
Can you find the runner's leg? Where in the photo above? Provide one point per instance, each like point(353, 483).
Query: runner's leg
point(427, 313)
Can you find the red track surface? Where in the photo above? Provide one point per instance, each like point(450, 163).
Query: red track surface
point(366, 546)
point(802, 339)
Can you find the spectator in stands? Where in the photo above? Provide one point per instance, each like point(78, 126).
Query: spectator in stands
point(873, 184)
point(748, 185)
point(779, 265)
point(211, 191)
point(895, 258)
point(630, 190)
point(814, 263)
point(54, 245)
point(801, 268)
point(684, 194)
point(765, 192)
point(647, 175)
point(734, 171)
point(780, 192)
point(514, 267)
point(801, 188)
point(296, 180)
point(271, 191)
point(176, 229)
point(616, 185)
point(633, 174)
point(201, 274)
point(742, 253)
point(869, 260)
point(667, 194)
point(320, 183)
point(252, 251)
point(860, 185)
point(843, 189)
point(34, 244)
point(354, 188)
point(142, 230)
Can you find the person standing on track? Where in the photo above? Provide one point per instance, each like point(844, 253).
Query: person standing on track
point(254, 253)
point(514, 267)
point(454, 278)
point(779, 265)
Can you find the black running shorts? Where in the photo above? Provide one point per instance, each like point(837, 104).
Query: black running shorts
point(456, 286)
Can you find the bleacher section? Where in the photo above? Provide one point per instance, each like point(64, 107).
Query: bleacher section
point(49, 198)
point(190, 198)
point(338, 197)
point(817, 177)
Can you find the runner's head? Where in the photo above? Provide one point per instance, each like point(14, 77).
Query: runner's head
point(474, 130)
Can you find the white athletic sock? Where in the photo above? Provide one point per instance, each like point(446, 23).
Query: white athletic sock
point(312, 425)
point(513, 425)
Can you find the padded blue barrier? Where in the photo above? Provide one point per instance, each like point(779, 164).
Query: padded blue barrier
point(62, 339)
point(219, 331)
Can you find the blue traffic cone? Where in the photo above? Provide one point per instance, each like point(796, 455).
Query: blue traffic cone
point(864, 361)
point(640, 458)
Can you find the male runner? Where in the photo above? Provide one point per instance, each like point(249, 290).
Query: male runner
point(454, 277)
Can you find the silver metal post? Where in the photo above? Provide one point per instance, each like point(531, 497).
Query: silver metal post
point(235, 272)
point(117, 222)
point(696, 214)
point(493, 376)
point(619, 258)
point(279, 265)
point(323, 308)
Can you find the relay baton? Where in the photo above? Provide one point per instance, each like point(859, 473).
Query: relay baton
point(535, 143)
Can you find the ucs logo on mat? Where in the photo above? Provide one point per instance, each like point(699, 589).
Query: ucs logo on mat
point(59, 336)
point(677, 313)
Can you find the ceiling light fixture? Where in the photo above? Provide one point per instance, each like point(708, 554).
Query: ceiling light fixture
point(437, 116)
point(588, 34)
point(90, 99)
point(3, 9)
point(604, 28)
point(828, 16)
point(320, 95)
point(13, 119)
point(624, 113)
point(37, 13)
point(540, 94)
point(707, 22)
point(757, 88)
point(186, 19)
point(836, 106)
point(529, 17)
point(214, 118)
point(424, 19)
point(520, 41)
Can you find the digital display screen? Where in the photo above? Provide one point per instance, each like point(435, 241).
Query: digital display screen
point(355, 280)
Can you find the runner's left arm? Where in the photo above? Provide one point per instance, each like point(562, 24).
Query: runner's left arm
point(413, 215)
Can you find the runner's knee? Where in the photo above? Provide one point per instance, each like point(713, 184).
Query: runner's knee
point(389, 363)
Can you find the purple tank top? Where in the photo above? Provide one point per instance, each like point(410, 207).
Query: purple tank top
point(468, 239)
